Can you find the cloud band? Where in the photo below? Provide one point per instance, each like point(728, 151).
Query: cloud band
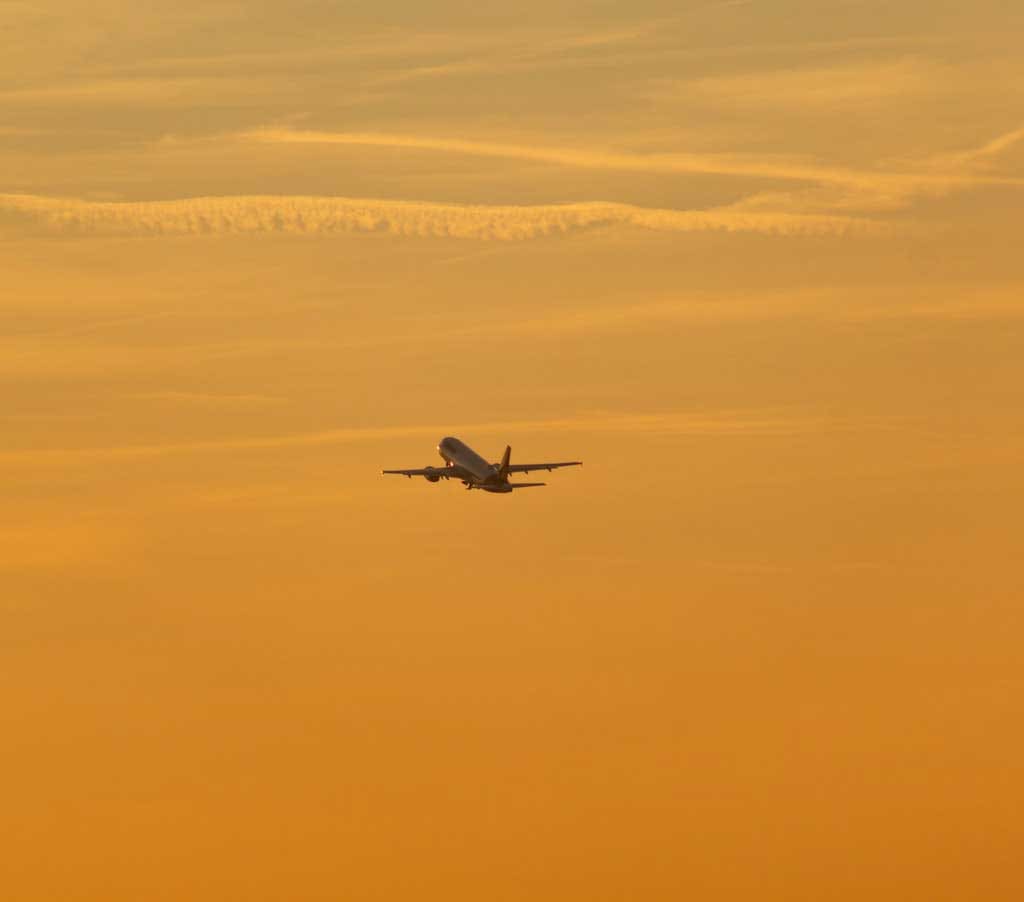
point(341, 215)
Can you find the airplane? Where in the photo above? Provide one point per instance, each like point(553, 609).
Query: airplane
point(463, 463)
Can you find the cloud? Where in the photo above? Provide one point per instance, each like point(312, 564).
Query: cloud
point(525, 51)
point(207, 399)
point(662, 40)
point(35, 357)
point(279, 496)
point(106, 91)
point(816, 189)
point(938, 175)
point(999, 144)
point(55, 546)
point(831, 86)
point(738, 165)
point(340, 215)
point(821, 305)
point(13, 131)
point(971, 307)
point(978, 158)
point(712, 423)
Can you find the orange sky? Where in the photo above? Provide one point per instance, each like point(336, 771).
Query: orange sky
point(757, 265)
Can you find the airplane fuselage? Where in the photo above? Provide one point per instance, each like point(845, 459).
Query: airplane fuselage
point(472, 469)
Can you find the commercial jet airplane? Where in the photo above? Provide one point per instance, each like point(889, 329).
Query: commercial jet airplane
point(463, 463)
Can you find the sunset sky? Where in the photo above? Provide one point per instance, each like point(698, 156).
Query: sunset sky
point(758, 264)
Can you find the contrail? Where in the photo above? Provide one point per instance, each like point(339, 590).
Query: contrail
point(312, 215)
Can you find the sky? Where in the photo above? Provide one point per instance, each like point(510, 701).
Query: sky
point(757, 264)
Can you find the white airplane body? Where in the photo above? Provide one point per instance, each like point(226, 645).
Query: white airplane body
point(463, 463)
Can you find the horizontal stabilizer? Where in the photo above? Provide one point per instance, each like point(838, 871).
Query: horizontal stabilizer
point(524, 485)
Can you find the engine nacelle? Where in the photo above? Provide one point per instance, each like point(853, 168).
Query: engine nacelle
point(431, 475)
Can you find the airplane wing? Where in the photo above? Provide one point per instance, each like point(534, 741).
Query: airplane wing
point(439, 472)
point(526, 468)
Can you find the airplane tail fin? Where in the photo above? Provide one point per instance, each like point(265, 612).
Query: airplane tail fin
point(503, 466)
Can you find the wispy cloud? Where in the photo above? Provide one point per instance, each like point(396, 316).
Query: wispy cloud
point(167, 92)
point(999, 144)
point(852, 84)
point(714, 423)
point(583, 158)
point(659, 41)
point(207, 399)
point(914, 179)
point(339, 215)
point(825, 306)
point(35, 356)
point(526, 51)
point(55, 546)
point(278, 496)
point(13, 131)
point(979, 158)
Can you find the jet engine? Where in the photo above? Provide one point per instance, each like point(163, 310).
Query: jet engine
point(431, 474)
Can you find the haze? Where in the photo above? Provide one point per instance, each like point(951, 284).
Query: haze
point(758, 264)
